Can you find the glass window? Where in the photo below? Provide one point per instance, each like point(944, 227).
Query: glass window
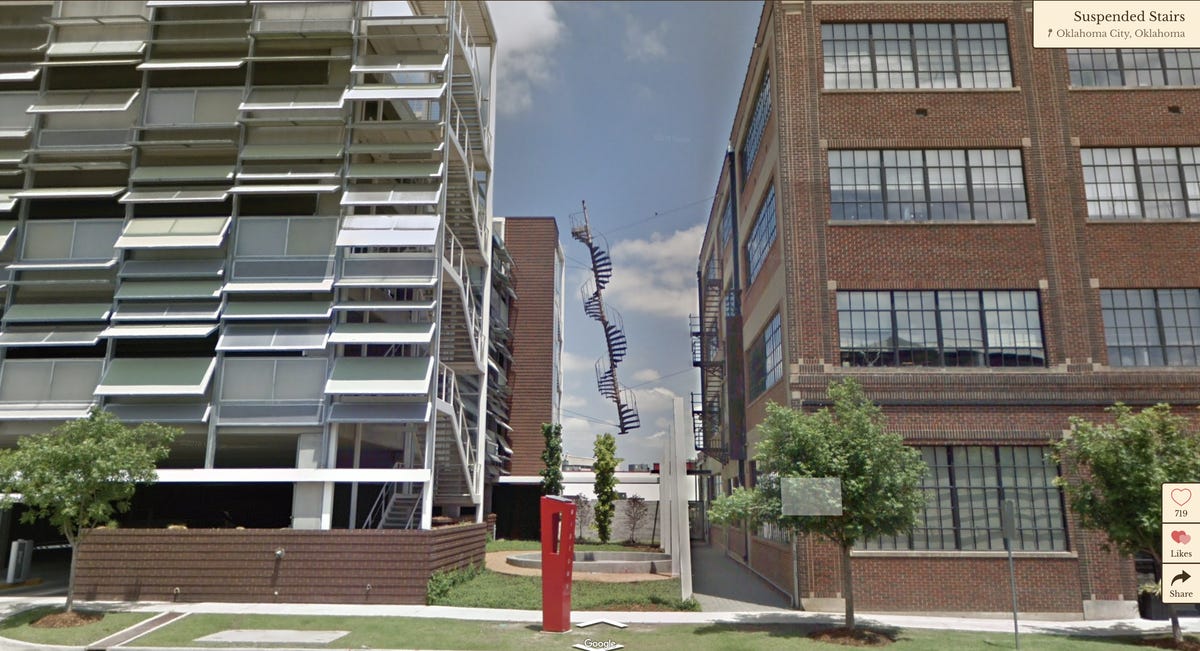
point(916, 55)
point(927, 185)
point(940, 328)
point(758, 124)
point(1134, 67)
point(1142, 182)
point(964, 488)
point(762, 236)
point(294, 236)
point(81, 240)
point(1152, 327)
point(727, 223)
point(766, 358)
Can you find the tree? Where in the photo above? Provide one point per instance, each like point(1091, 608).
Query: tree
point(880, 476)
point(552, 457)
point(635, 512)
point(605, 488)
point(1122, 466)
point(81, 473)
point(584, 517)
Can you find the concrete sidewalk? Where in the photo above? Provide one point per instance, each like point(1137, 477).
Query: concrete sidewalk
point(1076, 627)
point(722, 584)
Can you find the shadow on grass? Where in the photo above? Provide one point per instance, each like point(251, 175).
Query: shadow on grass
point(27, 616)
point(798, 630)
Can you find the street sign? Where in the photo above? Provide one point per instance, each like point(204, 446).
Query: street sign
point(1181, 543)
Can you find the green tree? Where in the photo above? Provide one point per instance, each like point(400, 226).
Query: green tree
point(1122, 466)
point(552, 458)
point(605, 487)
point(880, 476)
point(635, 513)
point(81, 473)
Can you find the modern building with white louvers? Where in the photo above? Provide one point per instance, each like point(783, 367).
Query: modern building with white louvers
point(267, 223)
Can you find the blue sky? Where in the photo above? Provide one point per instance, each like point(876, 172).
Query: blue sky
point(627, 105)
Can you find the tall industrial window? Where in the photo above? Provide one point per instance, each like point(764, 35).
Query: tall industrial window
point(758, 124)
point(766, 359)
point(964, 487)
point(1142, 182)
point(927, 185)
point(940, 328)
point(1141, 67)
point(727, 223)
point(762, 236)
point(1152, 327)
point(916, 55)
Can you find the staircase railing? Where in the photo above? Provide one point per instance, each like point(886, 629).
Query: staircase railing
point(383, 502)
point(455, 256)
point(448, 392)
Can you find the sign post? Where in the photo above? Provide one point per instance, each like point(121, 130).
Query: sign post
point(1180, 543)
point(1008, 522)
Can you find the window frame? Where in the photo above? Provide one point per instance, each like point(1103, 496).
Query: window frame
point(934, 318)
point(765, 359)
point(1159, 330)
point(1128, 75)
point(907, 47)
point(890, 180)
point(759, 241)
point(1140, 177)
point(957, 500)
point(757, 127)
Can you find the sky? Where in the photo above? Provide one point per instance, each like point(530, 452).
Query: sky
point(627, 106)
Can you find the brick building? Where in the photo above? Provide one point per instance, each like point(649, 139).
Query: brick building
point(990, 238)
point(535, 378)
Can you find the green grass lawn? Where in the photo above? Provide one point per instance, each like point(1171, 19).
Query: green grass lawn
point(534, 545)
point(17, 627)
point(384, 632)
point(495, 590)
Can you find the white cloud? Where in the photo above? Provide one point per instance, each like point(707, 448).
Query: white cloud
point(646, 375)
point(573, 363)
point(643, 43)
point(527, 34)
point(656, 275)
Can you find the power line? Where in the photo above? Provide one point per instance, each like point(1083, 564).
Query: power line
point(660, 213)
point(588, 418)
point(661, 377)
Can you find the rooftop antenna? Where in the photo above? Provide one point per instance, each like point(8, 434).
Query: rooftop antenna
point(614, 330)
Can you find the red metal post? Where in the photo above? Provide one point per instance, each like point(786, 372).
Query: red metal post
point(558, 557)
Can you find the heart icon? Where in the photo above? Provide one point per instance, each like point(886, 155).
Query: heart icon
point(1181, 537)
point(1181, 496)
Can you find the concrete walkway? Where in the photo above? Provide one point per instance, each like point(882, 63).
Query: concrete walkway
point(722, 584)
point(1077, 628)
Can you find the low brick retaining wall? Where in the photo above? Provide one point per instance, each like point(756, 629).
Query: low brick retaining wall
point(244, 565)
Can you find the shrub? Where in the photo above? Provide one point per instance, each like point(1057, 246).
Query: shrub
point(441, 583)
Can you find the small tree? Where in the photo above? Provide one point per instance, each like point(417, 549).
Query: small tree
point(880, 476)
point(81, 473)
point(552, 458)
point(605, 488)
point(635, 512)
point(1122, 466)
point(584, 516)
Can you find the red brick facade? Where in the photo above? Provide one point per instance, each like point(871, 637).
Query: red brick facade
point(1057, 252)
point(532, 242)
point(381, 566)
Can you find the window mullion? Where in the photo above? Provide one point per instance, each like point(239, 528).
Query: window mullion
point(971, 184)
point(912, 50)
point(937, 324)
point(883, 184)
point(871, 54)
point(1137, 180)
point(955, 517)
point(1162, 65)
point(1162, 332)
point(999, 493)
point(983, 332)
point(1183, 185)
point(895, 329)
point(1121, 67)
point(954, 56)
point(925, 184)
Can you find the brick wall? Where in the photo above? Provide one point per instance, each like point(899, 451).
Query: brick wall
point(1058, 252)
point(531, 242)
point(241, 565)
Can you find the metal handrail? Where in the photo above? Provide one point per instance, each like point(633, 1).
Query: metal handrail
point(383, 502)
